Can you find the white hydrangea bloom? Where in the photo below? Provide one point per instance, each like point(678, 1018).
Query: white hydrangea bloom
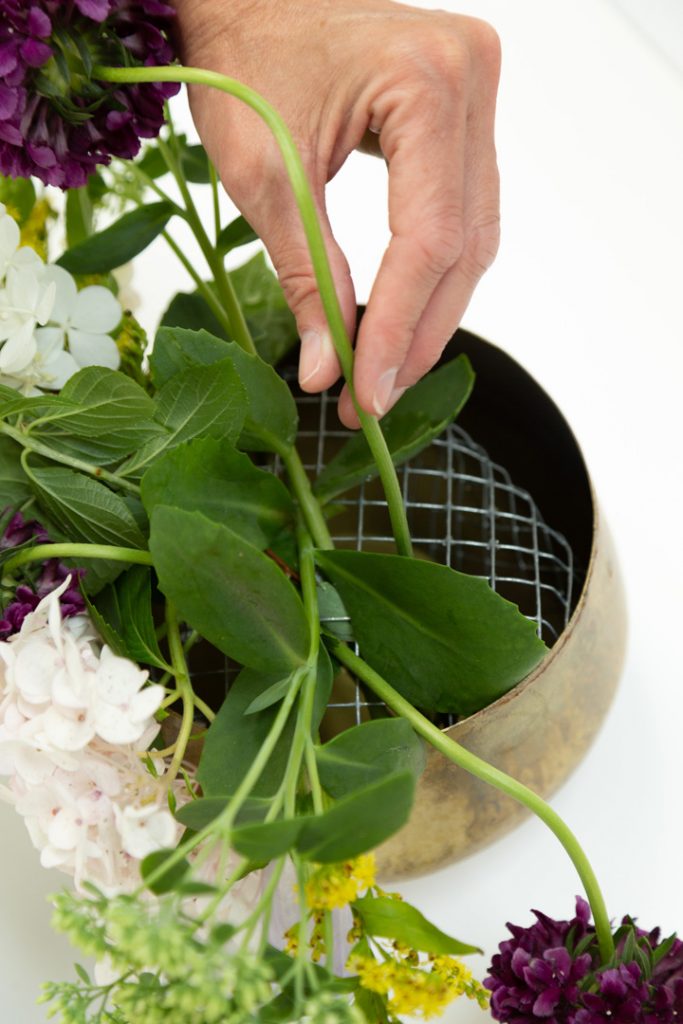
point(83, 319)
point(74, 719)
point(48, 329)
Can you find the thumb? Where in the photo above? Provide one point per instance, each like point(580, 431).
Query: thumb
point(284, 237)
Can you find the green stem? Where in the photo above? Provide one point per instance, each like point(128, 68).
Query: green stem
point(316, 244)
point(29, 443)
point(238, 325)
point(494, 777)
point(204, 289)
point(182, 677)
point(41, 552)
point(310, 507)
point(215, 200)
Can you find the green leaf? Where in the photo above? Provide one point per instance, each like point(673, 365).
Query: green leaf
point(227, 590)
point(237, 232)
point(79, 216)
point(234, 739)
point(388, 918)
point(100, 415)
point(14, 486)
point(82, 974)
point(199, 813)
point(202, 401)
point(271, 420)
point(369, 752)
point(333, 615)
point(267, 840)
point(195, 164)
point(118, 243)
point(212, 477)
point(268, 316)
point(170, 878)
point(84, 509)
point(152, 163)
point(191, 311)
point(126, 606)
point(358, 822)
point(232, 742)
point(424, 412)
point(446, 641)
point(273, 695)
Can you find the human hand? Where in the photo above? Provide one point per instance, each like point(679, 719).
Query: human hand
point(340, 71)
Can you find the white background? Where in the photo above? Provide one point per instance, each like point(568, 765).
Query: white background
point(586, 293)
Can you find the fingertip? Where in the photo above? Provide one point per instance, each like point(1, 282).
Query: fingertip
point(318, 363)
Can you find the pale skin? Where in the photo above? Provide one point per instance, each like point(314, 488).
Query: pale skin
point(417, 87)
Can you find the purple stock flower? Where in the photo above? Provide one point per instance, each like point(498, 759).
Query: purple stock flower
point(551, 972)
point(52, 574)
point(58, 123)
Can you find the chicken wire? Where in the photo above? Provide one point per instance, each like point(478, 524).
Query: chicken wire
point(463, 510)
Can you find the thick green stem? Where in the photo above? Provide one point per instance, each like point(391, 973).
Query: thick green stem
point(29, 443)
point(316, 244)
point(494, 777)
point(238, 325)
point(310, 507)
point(41, 553)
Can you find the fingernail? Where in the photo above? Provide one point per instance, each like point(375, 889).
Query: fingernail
point(384, 390)
point(394, 397)
point(311, 355)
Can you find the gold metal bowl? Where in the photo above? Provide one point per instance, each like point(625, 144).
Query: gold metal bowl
point(541, 729)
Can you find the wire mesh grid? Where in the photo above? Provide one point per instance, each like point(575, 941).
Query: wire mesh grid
point(463, 510)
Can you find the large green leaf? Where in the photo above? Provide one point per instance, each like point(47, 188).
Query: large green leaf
point(225, 588)
point(423, 413)
point(368, 752)
point(126, 608)
point(100, 415)
point(14, 487)
point(358, 822)
point(271, 419)
point(179, 346)
point(395, 919)
point(83, 509)
point(269, 318)
point(118, 243)
point(234, 739)
point(202, 401)
point(445, 640)
point(191, 311)
point(212, 477)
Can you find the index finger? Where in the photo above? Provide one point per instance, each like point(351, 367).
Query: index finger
point(423, 138)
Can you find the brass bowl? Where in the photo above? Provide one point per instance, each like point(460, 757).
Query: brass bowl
point(540, 730)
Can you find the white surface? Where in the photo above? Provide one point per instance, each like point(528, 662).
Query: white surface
point(586, 293)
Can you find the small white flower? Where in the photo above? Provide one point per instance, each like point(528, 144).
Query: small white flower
point(26, 300)
point(145, 829)
point(82, 320)
point(122, 709)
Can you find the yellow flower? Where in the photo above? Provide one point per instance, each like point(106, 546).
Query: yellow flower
point(334, 885)
point(415, 990)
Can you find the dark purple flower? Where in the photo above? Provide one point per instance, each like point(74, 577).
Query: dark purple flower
point(534, 977)
point(552, 971)
point(56, 121)
point(51, 575)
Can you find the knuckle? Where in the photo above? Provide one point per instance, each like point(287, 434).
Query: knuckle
point(297, 281)
point(441, 242)
point(483, 244)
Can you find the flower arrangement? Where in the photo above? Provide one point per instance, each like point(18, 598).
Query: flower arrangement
point(221, 854)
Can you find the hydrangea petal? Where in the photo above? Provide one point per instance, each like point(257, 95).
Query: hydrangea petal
point(96, 311)
point(94, 350)
point(66, 293)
